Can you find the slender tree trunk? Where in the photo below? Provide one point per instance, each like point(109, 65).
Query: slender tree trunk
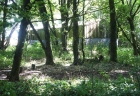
point(9, 37)
point(48, 51)
point(83, 32)
point(4, 24)
point(63, 34)
point(113, 32)
point(42, 44)
point(134, 43)
point(75, 33)
point(53, 24)
point(64, 20)
point(19, 48)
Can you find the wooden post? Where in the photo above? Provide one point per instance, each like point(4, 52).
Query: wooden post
point(33, 67)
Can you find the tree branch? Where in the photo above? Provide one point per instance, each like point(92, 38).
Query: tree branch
point(137, 10)
point(35, 32)
point(14, 2)
point(119, 25)
point(132, 7)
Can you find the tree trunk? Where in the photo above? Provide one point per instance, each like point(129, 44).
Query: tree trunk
point(48, 51)
point(64, 20)
point(83, 32)
point(130, 18)
point(4, 25)
point(64, 36)
point(42, 44)
point(19, 48)
point(9, 37)
point(18, 53)
point(75, 33)
point(133, 37)
point(53, 24)
point(113, 32)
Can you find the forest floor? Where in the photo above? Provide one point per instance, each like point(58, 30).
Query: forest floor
point(68, 72)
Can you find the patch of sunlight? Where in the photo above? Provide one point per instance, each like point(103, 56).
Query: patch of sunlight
point(119, 71)
point(67, 65)
point(57, 59)
point(77, 81)
point(39, 78)
point(111, 87)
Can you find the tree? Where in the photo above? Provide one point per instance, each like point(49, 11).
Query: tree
point(130, 19)
point(83, 33)
point(128, 11)
point(75, 33)
point(53, 24)
point(2, 43)
point(7, 12)
point(9, 37)
point(64, 10)
point(44, 18)
point(21, 39)
point(113, 32)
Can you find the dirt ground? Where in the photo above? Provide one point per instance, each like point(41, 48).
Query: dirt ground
point(59, 72)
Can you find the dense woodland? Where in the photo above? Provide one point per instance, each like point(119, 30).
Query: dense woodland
point(69, 60)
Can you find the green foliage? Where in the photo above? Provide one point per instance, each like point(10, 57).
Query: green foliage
point(7, 89)
point(125, 56)
point(6, 57)
point(78, 87)
point(122, 88)
point(30, 52)
point(92, 51)
point(33, 51)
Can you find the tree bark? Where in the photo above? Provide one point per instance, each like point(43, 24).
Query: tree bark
point(75, 33)
point(113, 32)
point(19, 48)
point(18, 53)
point(48, 51)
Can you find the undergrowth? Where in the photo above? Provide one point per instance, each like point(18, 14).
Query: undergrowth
point(78, 87)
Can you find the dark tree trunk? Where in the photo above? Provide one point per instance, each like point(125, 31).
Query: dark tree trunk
point(133, 37)
point(4, 25)
point(48, 51)
point(18, 53)
point(19, 48)
point(75, 33)
point(113, 32)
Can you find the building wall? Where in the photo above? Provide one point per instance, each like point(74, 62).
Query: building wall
point(91, 28)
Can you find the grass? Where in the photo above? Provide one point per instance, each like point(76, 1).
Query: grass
point(105, 81)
